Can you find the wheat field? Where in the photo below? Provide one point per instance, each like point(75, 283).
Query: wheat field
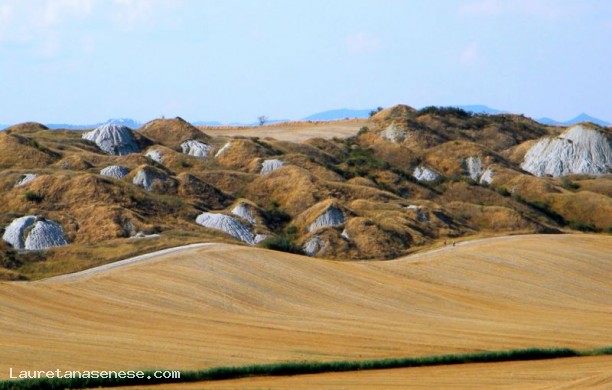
point(292, 131)
point(232, 305)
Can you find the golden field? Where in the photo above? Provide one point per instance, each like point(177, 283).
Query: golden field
point(231, 305)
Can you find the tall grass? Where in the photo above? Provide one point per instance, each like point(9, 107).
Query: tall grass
point(299, 368)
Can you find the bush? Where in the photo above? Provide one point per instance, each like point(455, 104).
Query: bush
point(282, 244)
point(582, 226)
point(32, 196)
point(363, 130)
point(445, 111)
point(503, 191)
point(569, 185)
point(277, 217)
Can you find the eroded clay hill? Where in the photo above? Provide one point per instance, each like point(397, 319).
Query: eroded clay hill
point(406, 179)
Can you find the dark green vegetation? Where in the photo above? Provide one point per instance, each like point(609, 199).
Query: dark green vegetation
point(283, 244)
point(301, 368)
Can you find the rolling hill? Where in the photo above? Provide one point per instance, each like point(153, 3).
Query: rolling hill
point(237, 305)
point(375, 188)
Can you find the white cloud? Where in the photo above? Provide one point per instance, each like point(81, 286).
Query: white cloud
point(362, 42)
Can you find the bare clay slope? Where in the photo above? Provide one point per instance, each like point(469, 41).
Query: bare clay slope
point(230, 305)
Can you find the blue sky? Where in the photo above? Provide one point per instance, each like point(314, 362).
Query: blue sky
point(83, 61)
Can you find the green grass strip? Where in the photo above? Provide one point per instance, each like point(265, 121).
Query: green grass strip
point(306, 367)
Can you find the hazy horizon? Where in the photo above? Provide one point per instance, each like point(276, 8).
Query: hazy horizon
point(83, 61)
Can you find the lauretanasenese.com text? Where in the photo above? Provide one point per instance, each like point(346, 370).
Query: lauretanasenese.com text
point(92, 374)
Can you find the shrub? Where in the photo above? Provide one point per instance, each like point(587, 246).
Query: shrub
point(445, 111)
point(582, 226)
point(282, 244)
point(503, 191)
point(32, 196)
point(569, 185)
point(363, 130)
point(277, 216)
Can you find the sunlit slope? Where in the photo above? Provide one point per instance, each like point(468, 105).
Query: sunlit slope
point(224, 305)
point(571, 373)
point(292, 131)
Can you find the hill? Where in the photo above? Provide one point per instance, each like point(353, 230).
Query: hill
point(483, 295)
point(375, 188)
point(578, 119)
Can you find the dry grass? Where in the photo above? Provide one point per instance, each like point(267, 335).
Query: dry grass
point(569, 373)
point(291, 131)
point(229, 305)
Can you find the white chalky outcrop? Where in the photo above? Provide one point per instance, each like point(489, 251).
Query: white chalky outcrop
point(45, 234)
point(115, 171)
point(27, 178)
point(113, 139)
point(195, 148)
point(33, 233)
point(330, 218)
point(227, 224)
point(474, 167)
point(423, 173)
point(270, 165)
point(145, 177)
point(313, 245)
point(244, 211)
point(394, 134)
point(487, 176)
point(578, 150)
point(155, 155)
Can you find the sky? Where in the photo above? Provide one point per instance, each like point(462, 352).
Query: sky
point(85, 61)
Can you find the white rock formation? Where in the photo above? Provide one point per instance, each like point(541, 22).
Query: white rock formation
point(32, 233)
point(223, 149)
point(116, 171)
point(155, 155)
point(145, 177)
point(474, 167)
point(259, 238)
point(487, 176)
point(270, 165)
point(394, 134)
point(113, 139)
point(140, 235)
point(345, 234)
point(313, 245)
point(578, 150)
point(330, 218)
point(244, 211)
point(15, 233)
point(423, 173)
point(27, 178)
point(229, 225)
point(195, 148)
point(45, 234)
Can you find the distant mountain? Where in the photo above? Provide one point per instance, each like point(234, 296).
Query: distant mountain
point(131, 123)
point(580, 118)
point(55, 126)
point(207, 123)
point(342, 113)
point(128, 122)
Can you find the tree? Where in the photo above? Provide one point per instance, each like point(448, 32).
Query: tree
point(262, 119)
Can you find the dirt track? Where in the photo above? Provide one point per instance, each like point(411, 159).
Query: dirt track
point(230, 305)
